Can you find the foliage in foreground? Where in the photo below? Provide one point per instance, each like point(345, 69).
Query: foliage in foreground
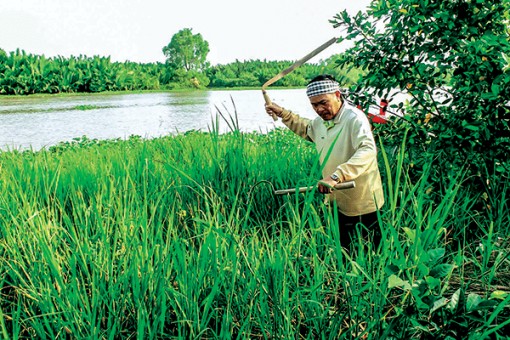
point(182, 237)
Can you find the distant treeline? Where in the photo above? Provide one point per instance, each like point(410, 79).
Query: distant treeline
point(23, 73)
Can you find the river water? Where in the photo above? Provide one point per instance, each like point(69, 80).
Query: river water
point(38, 122)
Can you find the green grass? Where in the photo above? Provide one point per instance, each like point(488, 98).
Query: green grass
point(182, 237)
point(86, 107)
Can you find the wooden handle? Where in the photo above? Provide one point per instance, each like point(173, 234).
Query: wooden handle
point(345, 185)
point(293, 67)
point(268, 102)
point(339, 186)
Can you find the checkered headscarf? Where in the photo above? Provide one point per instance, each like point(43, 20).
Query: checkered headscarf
point(322, 87)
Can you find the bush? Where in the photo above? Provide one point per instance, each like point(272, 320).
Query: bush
point(451, 57)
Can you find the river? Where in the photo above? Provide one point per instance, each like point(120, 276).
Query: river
point(36, 122)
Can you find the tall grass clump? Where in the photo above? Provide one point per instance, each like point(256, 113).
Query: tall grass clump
point(182, 237)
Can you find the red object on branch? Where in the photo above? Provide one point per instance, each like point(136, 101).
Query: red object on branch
point(381, 117)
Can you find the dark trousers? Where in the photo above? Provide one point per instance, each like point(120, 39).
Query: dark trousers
point(351, 227)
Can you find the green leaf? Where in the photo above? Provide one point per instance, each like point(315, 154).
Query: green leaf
point(499, 294)
point(473, 300)
point(436, 254)
point(507, 61)
point(433, 282)
point(395, 281)
point(495, 89)
point(441, 270)
point(454, 301)
point(411, 234)
point(391, 269)
point(469, 126)
point(438, 304)
point(486, 304)
point(423, 270)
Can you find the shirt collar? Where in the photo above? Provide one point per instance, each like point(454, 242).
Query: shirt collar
point(330, 123)
point(340, 112)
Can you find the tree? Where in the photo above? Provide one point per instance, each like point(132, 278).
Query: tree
point(187, 51)
point(451, 57)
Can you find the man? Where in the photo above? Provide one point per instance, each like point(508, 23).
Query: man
point(344, 140)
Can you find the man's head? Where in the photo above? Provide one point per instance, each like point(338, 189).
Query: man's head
point(324, 94)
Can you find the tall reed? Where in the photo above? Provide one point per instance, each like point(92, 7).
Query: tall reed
point(182, 237)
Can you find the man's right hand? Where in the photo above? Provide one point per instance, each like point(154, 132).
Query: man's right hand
point(274, 109)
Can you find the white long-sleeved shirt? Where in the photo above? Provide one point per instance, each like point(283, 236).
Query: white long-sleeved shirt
point(348, 149)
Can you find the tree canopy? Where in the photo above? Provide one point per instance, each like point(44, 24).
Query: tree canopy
point(451, 58)
point(186, 55)
point(187, 51)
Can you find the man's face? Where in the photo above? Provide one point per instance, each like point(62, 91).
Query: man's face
point(326, 105)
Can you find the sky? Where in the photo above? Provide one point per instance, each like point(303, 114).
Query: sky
point(137, 30)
